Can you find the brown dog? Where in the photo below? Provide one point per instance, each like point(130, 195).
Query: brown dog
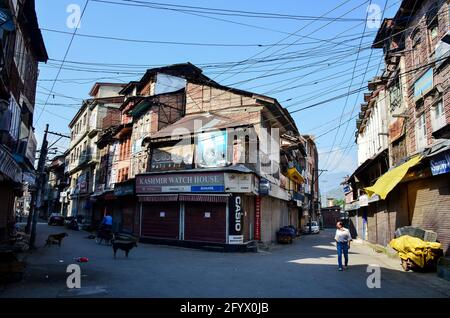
point(55, 238)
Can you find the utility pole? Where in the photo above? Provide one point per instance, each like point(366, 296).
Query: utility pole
point(40, 185)
point(312, 209)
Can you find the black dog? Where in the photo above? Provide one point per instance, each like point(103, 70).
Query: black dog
point(55, 238)
point(125, 246)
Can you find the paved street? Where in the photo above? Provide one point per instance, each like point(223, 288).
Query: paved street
point(307, 268)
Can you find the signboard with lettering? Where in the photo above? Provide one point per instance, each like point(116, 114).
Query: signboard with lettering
point(363, 200)
point(9, 166)
point(239, 182)
point(440, 163)
point(424, 84)
point(173, 157)
point(236, 219)
point(264, 186)
point(258, 218)
point(124, 189)
point(180, 182)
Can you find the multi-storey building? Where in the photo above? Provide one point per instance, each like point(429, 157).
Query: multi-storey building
point(54, 197)
point(195, 162)
point(21, 49)
point(311, 185)
point(416, 150)
point(82, 157)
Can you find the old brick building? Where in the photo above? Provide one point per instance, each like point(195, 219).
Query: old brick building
point(415, 85)
point(21, 49)
point(192, 162)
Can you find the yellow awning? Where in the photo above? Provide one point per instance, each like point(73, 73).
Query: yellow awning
point(294, 175)
point(390, 179)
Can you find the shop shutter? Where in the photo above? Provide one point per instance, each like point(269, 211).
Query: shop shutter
point(382, 224)
point(161, 219)
point(205, 222)
point(429, 202)
point(372, 223)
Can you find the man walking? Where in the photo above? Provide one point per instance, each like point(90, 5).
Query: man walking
point(343, 239)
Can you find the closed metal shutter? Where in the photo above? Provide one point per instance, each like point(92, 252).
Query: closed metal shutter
point(397, 203)
point(205, 222)
point(382, 224)
point(372, 223)
point(161, 219)
point(429, 202)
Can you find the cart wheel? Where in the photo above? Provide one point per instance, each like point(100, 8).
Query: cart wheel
point(405, 265)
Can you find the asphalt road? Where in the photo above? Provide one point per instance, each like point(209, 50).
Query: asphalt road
point(307, 268)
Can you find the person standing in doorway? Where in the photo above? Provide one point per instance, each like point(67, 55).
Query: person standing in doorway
point(343, 239)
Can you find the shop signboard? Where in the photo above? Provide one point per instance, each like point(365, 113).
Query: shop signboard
point(9, 166)
point(363, 200)
point(180, 182)
point(264, 186)
point(235, 219)
point(175, 157)
point(440, 163)
point(258, 218)
point(239, 182)
point(124, 189)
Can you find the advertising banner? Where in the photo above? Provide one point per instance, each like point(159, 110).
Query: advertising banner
point(212, 149)
point(173, 157)
point(258, 218)
point(440, 163)
point(236, 219)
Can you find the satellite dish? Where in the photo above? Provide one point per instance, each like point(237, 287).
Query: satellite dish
point(6, 22)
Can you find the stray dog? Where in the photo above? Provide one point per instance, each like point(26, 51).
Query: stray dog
point(55, 238)
point(125, 246)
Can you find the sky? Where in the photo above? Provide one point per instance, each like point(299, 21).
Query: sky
point(309, 58)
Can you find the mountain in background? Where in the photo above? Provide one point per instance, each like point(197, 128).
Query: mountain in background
point(336, 193)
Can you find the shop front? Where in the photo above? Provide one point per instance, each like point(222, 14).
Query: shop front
point(196, 208)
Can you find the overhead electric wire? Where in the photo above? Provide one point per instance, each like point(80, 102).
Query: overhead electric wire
point(64, 58)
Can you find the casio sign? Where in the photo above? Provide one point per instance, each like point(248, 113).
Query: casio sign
point(238, 214)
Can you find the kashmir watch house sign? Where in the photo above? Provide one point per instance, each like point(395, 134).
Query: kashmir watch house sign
point(180, 182)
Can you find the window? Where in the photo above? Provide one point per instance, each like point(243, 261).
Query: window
point(20, 55)
point(416, 48)
point(14, 127)
point(421, 132)
point(395, 95)
point(432, 23)
point(438, 115)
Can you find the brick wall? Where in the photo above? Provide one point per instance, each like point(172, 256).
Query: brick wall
point(424, 52)
point(203, 98)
